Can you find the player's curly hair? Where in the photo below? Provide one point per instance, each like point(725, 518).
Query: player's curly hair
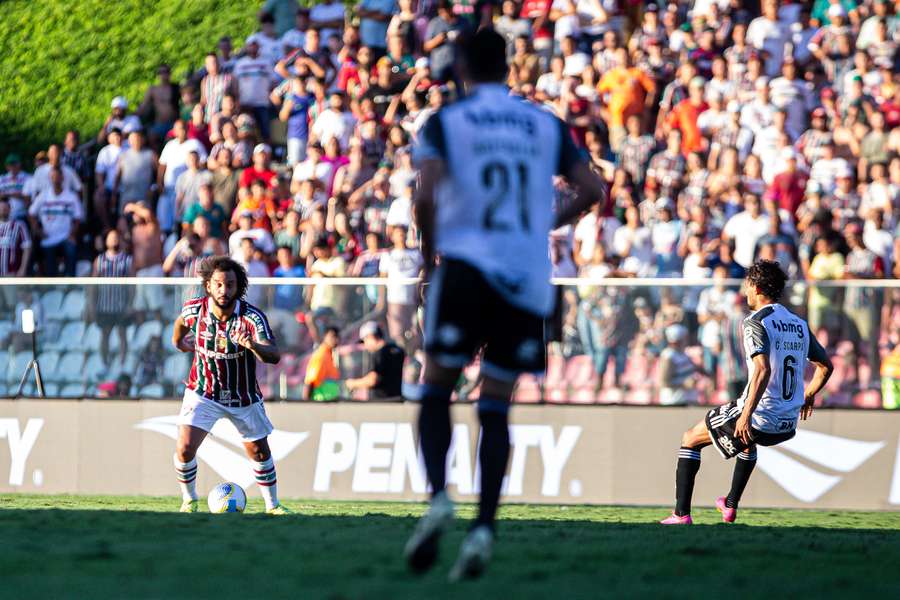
point(767, 276)
point(224, 264)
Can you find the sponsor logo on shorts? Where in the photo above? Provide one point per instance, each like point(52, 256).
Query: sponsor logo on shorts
point(726, 444)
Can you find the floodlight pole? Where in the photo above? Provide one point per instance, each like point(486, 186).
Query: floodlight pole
point(33, 364)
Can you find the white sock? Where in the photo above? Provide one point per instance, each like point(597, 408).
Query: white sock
point(265, 478)
point(186, 473)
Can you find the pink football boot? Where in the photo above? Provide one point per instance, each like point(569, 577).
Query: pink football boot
point(728, 514)
point(674, 519)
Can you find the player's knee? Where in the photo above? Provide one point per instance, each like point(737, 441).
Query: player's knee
point(688, 439)
point(185, 452)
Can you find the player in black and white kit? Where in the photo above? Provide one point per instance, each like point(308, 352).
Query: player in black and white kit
point(777, 344)
point(484, 206)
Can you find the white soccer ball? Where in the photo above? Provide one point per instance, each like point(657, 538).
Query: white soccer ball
point(227, 498)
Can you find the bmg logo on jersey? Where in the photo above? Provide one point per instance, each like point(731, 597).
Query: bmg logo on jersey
point(788, 327)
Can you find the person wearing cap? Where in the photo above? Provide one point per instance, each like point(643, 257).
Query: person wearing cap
point(255, 80)
point(260, 169)
point(767, 34)
point(384, 378)
point(677, 370)
point(117, 119)
point(811, 141)
point(13, 186)
point(684, 117)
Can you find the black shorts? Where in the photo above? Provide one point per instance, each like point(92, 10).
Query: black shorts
point(463, 313)
point(721, 421)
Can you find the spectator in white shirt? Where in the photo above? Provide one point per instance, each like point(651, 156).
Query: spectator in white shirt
point(295, 37)
point(105, 171)
point(401, 262)
point(745, 229)
point(40, 181)
point(262, 239)
point(327, 17)
point(334, 122)
point(255, 79)
point(172, 163)
point(55, 216)
point(767, 33)
point(825, 170)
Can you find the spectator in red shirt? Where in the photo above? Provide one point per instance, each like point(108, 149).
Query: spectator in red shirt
point(260, 169)
point(788, 186)
point(684, 118)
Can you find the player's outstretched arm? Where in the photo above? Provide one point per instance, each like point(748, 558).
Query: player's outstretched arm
point(181, 336)
point(759, 381)
point(819, 358)
point(431, 171)
point(590, 189)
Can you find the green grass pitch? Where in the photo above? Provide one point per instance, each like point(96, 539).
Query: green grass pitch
point(137, 547)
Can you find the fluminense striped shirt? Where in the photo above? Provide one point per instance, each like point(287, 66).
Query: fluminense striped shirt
point(113, 299)
point(223, 371)
point(14, 238)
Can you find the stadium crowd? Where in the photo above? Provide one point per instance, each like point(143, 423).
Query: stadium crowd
point(727, 132)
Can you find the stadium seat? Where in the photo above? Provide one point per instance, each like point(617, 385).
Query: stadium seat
point(176, 367)
point(114, 338)
point(51, 302)
point(72, 390)
point(17, 367)
point(154, 390)
point(139, 339)
point(91, 340)
point(6, 328)
point(72, 333)
point(51, 390)
point(70, 368)
point(73, 305)
point(48, 361)
point(96, 370)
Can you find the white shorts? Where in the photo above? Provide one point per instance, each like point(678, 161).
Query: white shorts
point(250, 421)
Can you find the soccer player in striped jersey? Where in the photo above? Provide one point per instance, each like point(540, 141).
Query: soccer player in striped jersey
point(227, 336)
point(778, 345)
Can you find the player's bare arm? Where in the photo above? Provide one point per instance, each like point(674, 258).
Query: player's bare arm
point(182, 338)
point(266, 351)
point(431, 171)
point(591, 189)
point(759, 380)
point(823, 370)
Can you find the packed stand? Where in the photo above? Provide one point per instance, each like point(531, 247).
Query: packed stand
point(726, 134)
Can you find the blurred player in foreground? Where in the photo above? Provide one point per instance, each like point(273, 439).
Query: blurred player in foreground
point(484, 206)
point(227, 335)
point(778, 344)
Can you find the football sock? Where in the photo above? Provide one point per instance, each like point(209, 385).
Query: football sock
point(685, 473)
point(493, 456)
point(265, 479)
point(434, 433)
point(743, 468)
point(186, 473)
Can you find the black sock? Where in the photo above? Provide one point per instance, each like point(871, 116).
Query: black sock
point(685, 473)
point(493, 456)
point(743, 468)
point(434, 433)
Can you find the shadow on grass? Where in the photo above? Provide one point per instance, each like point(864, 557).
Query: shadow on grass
point(144, 554)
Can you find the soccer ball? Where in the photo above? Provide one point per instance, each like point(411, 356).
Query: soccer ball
point(227, 498)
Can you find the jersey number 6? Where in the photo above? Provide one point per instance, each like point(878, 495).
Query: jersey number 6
point(495, 177)
point(788, 377)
